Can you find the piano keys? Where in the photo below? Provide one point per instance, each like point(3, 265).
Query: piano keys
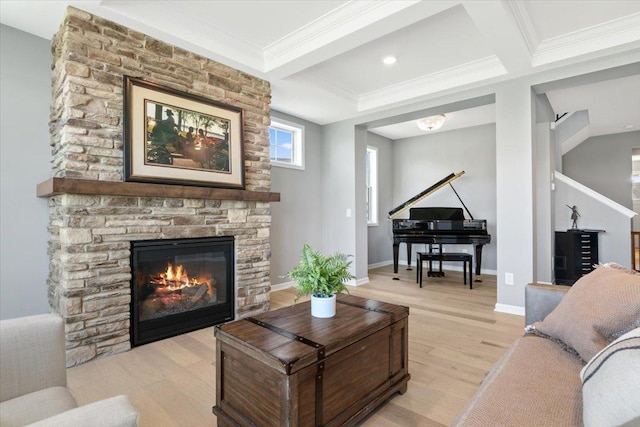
point(437, 226)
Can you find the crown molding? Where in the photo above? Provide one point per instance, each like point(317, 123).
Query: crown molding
point(335, 90)
point(598, 37)
point(523, 21)
point(336, 24)
point(214, 44)
point(471, 72)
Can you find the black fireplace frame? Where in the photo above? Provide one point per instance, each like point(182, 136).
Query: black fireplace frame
point(157, 329)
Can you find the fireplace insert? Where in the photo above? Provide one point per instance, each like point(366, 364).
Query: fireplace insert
point(180, 285)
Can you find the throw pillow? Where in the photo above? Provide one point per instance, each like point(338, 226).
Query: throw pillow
point(611, 384)
point(600, 307)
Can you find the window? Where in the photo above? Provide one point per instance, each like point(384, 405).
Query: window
point(372, 185)
point(286, 144)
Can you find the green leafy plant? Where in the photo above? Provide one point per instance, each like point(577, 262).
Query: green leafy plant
point(320, 275)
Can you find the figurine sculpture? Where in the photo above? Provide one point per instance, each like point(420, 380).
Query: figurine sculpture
point(574, 216)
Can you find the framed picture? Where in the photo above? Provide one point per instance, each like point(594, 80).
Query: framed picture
point(172, 137)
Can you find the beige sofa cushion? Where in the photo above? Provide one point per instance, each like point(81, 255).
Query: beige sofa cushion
point(113, 412)
point(611, 384)
point(32, 355)
point(599, 308)
point(35, 406)
point(536, 383)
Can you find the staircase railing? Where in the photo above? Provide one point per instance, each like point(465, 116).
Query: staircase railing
point(597, 213)
point(635, 250)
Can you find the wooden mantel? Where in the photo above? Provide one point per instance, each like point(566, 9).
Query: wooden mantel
point(55, 186)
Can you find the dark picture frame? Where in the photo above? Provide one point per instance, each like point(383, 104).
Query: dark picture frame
point(172, 137)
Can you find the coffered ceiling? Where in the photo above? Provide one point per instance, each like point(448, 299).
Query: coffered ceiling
point(324, 58)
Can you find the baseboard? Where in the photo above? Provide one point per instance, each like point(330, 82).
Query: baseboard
point(281, 286)
point(509, 309)
point(358, 282)
point(380, 264)
point(287, 285)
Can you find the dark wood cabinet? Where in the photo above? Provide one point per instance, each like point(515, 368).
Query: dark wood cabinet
point(576, 252)
point(286, 368)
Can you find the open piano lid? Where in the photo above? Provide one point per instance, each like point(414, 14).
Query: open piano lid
point(419, 197)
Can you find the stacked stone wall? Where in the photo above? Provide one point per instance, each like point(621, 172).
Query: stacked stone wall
point(89, 248)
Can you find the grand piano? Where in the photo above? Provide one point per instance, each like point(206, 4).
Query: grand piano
point(437, 226)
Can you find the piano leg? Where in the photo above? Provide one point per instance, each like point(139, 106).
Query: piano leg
point(438, 273)
point(396, 248)
point(478, 262)
point(408, 256)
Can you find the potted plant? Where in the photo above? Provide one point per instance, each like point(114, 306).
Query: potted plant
point(321, 277)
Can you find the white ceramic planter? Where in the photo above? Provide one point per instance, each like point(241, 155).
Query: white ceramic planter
point(323, 307)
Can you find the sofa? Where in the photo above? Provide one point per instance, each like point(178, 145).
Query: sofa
point(578, 362)
point(33, 380)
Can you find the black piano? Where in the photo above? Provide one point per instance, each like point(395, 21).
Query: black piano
point(437, 226)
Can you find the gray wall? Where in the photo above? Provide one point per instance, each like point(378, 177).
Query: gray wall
point(297, 218)
point(636, 192)
point(515, 116)
point(380, 237)
point(421, 161)
point(361, 270)
point(25, 82)
point(338, 189)
point(603, 163)
point(614, 245)
point(544, 151)
point(25, 62)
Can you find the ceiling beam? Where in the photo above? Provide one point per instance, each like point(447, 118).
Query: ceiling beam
point(497, 23)
point(345, 28)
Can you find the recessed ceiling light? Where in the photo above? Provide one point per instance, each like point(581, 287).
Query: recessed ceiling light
point(628, 127)
point(389, 60)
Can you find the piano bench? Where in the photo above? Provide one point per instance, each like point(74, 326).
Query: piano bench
point(445, 256)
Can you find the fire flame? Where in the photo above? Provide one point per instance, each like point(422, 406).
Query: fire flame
point(178, 278)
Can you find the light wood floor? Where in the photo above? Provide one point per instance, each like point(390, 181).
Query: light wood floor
point(454, 338)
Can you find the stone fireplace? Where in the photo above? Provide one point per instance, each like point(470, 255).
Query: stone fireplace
point(94, 215)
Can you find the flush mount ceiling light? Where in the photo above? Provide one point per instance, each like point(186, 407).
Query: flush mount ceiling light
point(431, 123)
point(389, 60)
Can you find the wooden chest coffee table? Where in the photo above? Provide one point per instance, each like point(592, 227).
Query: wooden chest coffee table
point(286, 368)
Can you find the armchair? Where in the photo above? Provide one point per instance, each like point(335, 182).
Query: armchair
point(33, 380)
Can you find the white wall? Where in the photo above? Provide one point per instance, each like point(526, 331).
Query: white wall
point(297, 218)
point(421, 161)
point(25, 86)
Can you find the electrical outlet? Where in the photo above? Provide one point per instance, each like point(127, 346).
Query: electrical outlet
point(508, 278)
point(348, 213)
